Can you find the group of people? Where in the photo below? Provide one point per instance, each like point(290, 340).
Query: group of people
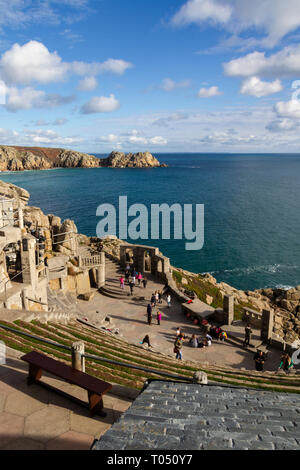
point(260, 358)
point(200, 342)
point(130, 277)
point(217, 333)
point(150, 308)
point(156, 298)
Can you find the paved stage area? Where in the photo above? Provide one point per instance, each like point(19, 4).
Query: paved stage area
point(130, 316)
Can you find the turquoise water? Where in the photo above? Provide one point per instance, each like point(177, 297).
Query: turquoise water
point(252, 209)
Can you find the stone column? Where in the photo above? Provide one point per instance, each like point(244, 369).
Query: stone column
point(25, 300)
point(20, 217)
point(101, 272)
point(28, 261)
point(78, 361)
point(267, 323)
point(228, 309)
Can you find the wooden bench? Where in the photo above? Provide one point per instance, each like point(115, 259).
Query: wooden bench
point(96, 388)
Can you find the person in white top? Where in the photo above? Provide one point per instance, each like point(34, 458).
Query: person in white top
point(169, 300)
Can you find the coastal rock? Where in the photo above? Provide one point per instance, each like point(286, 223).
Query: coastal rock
point(8, 190)
point(130, 160)
point(71, 159)
point(36, 216)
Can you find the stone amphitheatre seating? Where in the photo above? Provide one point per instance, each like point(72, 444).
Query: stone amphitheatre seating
point(101, 343)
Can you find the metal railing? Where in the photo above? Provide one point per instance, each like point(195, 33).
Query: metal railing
point(99, 358)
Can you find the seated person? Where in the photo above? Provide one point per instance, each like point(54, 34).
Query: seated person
point(194, 341)
point(146, 340)
point(223, 336)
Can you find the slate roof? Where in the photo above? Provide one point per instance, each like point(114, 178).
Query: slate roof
point(179, 416)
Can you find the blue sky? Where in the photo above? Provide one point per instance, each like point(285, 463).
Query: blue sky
point(162, 76)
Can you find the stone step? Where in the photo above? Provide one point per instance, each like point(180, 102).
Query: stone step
point(114, 294)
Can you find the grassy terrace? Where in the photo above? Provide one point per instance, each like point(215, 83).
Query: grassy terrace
point(105, 345)
point(201, 287)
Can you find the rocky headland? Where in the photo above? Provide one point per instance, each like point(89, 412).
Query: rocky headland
point(38, 158)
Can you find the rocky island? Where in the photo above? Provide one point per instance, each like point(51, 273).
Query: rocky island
point(38, 158)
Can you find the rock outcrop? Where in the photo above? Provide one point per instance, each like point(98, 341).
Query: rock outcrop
point(8, 190)
point(71, 159)
point(38, 158)
point(130, 160)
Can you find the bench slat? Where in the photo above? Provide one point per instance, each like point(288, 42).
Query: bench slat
point(63, 371)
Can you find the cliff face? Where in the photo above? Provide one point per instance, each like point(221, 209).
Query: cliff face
point(38, 158)
point(131, 160)
point(20, 159)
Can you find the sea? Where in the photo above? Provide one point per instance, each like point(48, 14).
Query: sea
point(251, 209)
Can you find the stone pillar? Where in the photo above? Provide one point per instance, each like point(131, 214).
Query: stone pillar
point(101, 272)
point(28, 261)
point(166, 265)
point(267, 323)
point(20, 218)
point(78, 361)
point(25, 302)
point(228, 309)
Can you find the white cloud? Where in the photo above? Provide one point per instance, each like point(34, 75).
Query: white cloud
point(88, 84)
point(285, 63)
point(209, 92)
point(28, 98)
point(274, 18)
point(108, 138)
point(37, 137)
point(158, 140)
point(101, 104)
point(49, 137)
point(283, 125)
point(172, 118)
point(169, 85)
point(116, 66)
point(33, 62)
point(199, 11)
point(19, 13)
point(132, 137)
point(288, 109)
point(256, 87)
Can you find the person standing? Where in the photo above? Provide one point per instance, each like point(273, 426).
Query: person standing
point(259, 359)
point(149, 314)
point(160, 297)
point(144, 281)
point(139, 278)
point(153, 300)
point(122, 282)
point(248, 332)
point(158, 317)
point(178, 347)
point(169, 300)
point(131, 285)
